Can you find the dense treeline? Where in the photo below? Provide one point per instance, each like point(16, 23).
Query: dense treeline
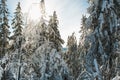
point(34, 50)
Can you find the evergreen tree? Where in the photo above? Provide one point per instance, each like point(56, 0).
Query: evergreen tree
point(103, 39)
point(82, 48)
point(14, 65)
point(48, 64)
point(4, 27)
point(72, 56)
point(44, 62)
point(17, 27)
point(53, 32)
point(35, 35)
point(72, 43)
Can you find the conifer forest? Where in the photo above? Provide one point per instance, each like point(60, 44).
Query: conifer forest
point(34, 50)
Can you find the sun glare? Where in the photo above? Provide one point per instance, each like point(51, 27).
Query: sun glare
point(32, 8)
point(34, 12)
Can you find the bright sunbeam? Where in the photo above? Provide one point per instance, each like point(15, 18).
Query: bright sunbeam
point(65, 13)
point(34, 12)
point(32, 9)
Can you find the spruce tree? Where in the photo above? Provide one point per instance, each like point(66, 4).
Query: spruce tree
point(82, 43)
point(82, 47)
point(72, 56)
point(53, 32)
point(16, 56)
point(4, 28)
point(103, 39)
point(45, 62)
point(17, 24)
point(72, 43)
point(35, 35)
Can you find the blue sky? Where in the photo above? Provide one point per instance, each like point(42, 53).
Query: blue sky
point(69, 13)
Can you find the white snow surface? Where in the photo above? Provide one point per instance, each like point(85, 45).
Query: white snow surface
point(1, 72)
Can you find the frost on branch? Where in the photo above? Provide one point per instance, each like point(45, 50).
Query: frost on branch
point(72, 56)
point(103, 39)
point(1, 71)
point(49, 64)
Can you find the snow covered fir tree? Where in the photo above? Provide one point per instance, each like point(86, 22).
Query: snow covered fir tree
point(17, 24)
point(4, 28)
point(102, 55)
point(33, 50)
point(72, 56)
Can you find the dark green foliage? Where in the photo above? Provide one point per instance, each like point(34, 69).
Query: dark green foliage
point(53, 32)
point(17, 21)
point(72, 56)
point(4, 28)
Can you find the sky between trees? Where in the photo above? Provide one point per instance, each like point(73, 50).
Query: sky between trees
point(69, 13)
